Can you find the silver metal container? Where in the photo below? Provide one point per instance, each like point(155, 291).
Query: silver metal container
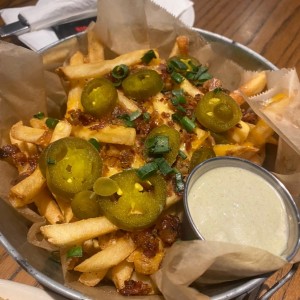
point(37, 262)
point(191, 231)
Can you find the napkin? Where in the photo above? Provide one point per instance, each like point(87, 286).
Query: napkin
point(46, 14)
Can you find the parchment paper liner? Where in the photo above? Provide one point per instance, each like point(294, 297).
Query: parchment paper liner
point(26, 83)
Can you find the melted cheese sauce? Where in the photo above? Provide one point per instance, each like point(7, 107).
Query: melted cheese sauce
point(235, 205)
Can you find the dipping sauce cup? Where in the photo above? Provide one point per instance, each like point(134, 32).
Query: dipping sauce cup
point(233, 200)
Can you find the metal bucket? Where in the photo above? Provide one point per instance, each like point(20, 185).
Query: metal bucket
point(36, 261)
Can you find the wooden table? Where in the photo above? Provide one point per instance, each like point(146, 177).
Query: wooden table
point(269, 27)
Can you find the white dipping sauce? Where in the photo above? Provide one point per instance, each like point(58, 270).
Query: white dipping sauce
point(235, 205)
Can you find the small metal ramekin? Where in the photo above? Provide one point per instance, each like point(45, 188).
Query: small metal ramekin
point(293, 216)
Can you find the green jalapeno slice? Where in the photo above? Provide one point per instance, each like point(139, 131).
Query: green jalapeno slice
point(158, 135)
point(217, 111)
point(199, 155)
point(99, 97)
point(70, 166)
point(142, 84)
point(140, 201)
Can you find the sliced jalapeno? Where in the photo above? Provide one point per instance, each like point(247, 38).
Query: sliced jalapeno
point(142, 84)
point(217, 111)
point(140, 202)
point(164, 132)
point(85, 205)
point(70, 165)
point(199, 155)
point(99, 96)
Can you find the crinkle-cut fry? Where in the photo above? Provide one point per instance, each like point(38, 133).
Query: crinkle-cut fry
point(121, 272)
point(95, 47)
point(48, 208)
point(62, 129)
point(190, 88)
point(92, 278)
point(91, 70)
point(181, 46)
point(112, 134)
point(24, 191)
point(76, 86)
point(65, 208)
point(75, 233)
point(108, 257)
point(250, 88)
point(27, 134)
point(127, 103)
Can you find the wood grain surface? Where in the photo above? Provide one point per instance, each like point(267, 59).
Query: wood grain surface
point(269, 27)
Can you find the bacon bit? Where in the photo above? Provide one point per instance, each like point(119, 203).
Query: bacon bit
point(126, 158)
point(187, 138)
point(249, 117)
point(142, 127)
point(168, 229)
point(77, 117)
point(18, 158)
point(212, 84)
point(135, 288)
point(8, 151)
point(147, 241)
point(45, 139)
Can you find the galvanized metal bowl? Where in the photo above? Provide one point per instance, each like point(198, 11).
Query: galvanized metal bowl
point(36, 261)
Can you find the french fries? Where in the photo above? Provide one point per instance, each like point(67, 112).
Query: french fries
point(108, 251)
point(112, 134)
point(67, 234)
point(92, 70)
point(108, 257)
point(24, 192)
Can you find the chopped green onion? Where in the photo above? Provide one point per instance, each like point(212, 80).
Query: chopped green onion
point(218, 90)
point(178, 78)
point(134, 115)
point(177, 64)
point(198, 75)
point(40, 115)
point(187, 124)
point(176, 118)
point(51, 123)
point(158, 144)
point(126, 120)
point(181, 108)
point(163, 166)
point(76, 251)
point(117, 83)
point(179, 183)
point(147, 170)
point(148, 56)
point(146, 116)
point(178, 100)
point(120, 71)
point(95, 143)
point(178, 92)
point(182, 154)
